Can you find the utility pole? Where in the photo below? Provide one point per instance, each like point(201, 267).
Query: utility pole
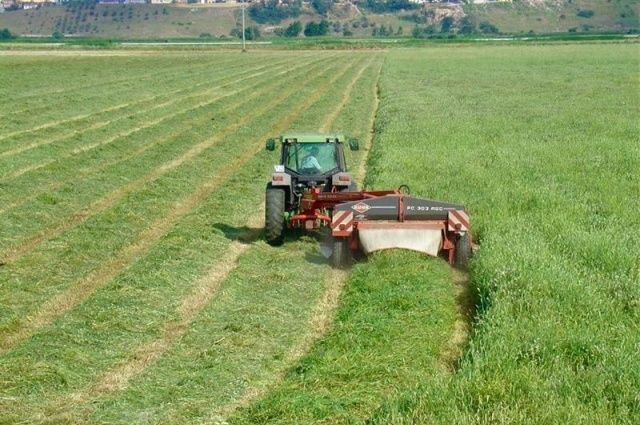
point(244, 46)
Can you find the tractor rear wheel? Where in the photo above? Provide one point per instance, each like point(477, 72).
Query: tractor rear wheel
point(463, 251)
point(340, 253)
point(274, 215)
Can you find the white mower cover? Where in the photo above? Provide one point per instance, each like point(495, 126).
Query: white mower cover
point(428, 241)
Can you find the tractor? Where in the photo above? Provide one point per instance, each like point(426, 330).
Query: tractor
point(310, 189)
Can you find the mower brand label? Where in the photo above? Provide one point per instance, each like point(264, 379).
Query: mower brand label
point(361, 207)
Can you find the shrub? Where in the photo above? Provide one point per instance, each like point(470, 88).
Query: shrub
point(322, 6)
point(251, 33)
point(446, 24)
point(585, 13)
point(488, 28)
point(467, 26)
point(57, 35)
point(5, 34)
point(313, 29)
point(293, 30)
point(381, 6)
point(272, 13)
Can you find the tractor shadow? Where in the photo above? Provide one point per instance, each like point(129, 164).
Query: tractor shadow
point(244, 234)
point(250, 235)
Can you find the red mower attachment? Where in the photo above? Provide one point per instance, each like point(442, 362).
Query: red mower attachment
point(369, 221)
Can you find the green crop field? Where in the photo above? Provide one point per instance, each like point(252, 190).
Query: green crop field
point(135, 286)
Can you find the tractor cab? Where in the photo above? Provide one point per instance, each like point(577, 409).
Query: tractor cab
point(311, 160)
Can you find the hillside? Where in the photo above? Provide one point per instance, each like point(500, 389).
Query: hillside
point(173, 21)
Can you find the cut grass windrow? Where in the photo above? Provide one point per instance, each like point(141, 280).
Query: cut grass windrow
point(82, 169)
point(202, 292)
point(105, 92)
point(109, 269)
point(138, 128)
point(199, 296)
point(22, 147)
point(131, 109)
point(30, 243)
point(277, 128)
point(70, 75)
point(68, 120)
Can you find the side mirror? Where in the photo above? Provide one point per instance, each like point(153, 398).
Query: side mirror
point(354, 145)
point(271, 144)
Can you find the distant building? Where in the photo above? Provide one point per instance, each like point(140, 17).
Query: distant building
point(30, 4)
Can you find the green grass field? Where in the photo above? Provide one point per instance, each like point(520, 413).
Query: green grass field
point(135, 286)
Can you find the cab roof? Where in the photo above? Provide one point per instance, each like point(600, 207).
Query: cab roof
point(309, 137)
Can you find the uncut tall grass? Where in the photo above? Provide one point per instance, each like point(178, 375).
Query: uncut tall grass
point(542, 143)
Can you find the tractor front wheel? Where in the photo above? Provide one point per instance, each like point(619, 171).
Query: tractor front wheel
point(274, 216)
point(340, 253)
point(463, 251)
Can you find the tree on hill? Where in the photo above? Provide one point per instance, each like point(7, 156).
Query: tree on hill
point(293, 30)
point(467, 26)
point(446, 24)
point(270, 12)
point(313, 29)
point(251, 33)
point(322, 6)
point(488, 28)
point(381, 6)
point(5, 34)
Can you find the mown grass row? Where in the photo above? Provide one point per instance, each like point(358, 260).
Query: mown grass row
point(33, 108)
point(150, 92)
point(29, 152)
point(76, 72)
point(145, 291)
point(542, 144)
point(242, 341)
point(143, 75)
point(93, 151)
point(81, 254)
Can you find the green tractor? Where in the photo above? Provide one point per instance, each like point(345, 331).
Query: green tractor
point(308, 162)
point(311, 189)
